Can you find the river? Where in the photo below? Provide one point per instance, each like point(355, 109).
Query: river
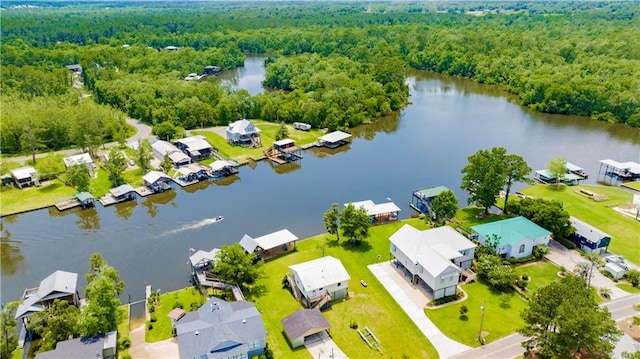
point(425, 145)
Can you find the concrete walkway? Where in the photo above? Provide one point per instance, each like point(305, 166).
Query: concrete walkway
point(167, 349)
point(325, 347)
point(392, 280)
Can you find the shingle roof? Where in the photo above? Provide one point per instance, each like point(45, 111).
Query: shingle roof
point(510, 231)
point(58, 284)
point(304, 322)
point(321, 272)
point(81, 348)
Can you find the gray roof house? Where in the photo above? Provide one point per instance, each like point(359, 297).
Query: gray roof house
point(220, 329)
point(243, 132)
point(587, 237)
point(179, 158)
point(303, 324)
point(102, 346)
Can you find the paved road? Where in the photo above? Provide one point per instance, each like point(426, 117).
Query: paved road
point(142, 131)
point(509, 347)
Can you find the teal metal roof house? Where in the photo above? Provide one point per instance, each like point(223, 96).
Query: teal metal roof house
point(516, 236)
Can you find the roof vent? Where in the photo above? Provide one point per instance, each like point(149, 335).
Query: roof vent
point(197, 332)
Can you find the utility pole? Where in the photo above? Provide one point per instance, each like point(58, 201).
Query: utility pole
point(480, 339)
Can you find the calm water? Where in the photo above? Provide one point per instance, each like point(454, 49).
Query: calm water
point(427, 144)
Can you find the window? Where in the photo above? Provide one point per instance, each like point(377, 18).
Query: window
point(441, 280)
point(521, 248)
point(254, 344)
point(421, 269)
point(393, 248)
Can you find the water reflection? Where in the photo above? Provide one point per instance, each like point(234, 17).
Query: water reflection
point(197, 186)
point(125, 210)
point(11, 255)
point(387, 124)
point(226, 181)
point(285, 167)
point(88, 219)
point(163, 198)
point(322, 152)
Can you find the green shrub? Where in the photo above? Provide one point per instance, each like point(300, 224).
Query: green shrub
point(177, 305)
point(153, 318)
point(150, 326)
point(568, 244)
point(633, 277)
point(125, 343)
point(463, 310)
point(194, 306)
point(126, 356)
point(152, 308)
point(353, 325)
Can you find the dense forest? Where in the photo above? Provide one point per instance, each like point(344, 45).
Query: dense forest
point(333, 65)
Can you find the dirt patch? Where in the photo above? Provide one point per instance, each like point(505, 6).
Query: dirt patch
point(626, 325)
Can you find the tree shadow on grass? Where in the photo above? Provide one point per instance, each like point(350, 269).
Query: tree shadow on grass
point(357, 247)
point(464, 318)
point(494, 290)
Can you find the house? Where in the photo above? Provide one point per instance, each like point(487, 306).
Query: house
point(212, 70)
point(435, 257)
point(85, 198)
point(270, 245)
point(379, 213)
point(622, 171)
point(81, 159)
point(222, 168)
point(59, 285)
point(421, 199)
point(516, 236)
point(587, 237)
point(243, 133)
point(74, 68)
point(178, 158)
point(97, 346)
point(202, 262)
point(220, 329)
point(304, 324)
point(25, 176)
point(334, 139)
point(192, 173)
point(319, 281)
point(195, 147)
point(157, 181)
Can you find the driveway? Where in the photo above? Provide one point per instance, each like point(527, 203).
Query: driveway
point(567, 258)
point(166, 349)
point(410, 302)
point(324, 347)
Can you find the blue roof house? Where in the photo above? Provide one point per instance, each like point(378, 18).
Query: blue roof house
point(516, 236)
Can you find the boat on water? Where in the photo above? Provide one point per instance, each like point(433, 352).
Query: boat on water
point(218, 219)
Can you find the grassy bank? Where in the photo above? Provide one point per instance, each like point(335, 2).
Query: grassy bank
point(601, 215)
point(123, 328)
point(371, 306)
point(184, 298)
point(15, 200)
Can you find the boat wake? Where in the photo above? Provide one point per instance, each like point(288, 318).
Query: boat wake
point(195, 225)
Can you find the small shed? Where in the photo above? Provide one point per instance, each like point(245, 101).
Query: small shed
point(334, 139)
point(75, 68)
point(303, 324)
point(175, 315)
point(270, 245)
point(615, 270)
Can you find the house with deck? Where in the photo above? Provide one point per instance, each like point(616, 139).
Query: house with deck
point(178, 158)
point(101, 346)
point(195, 147)
point(284, 151)
point(243, 133)
point(222, 168)
point(433, 258)
point(589, 238)
point(516, 236)
point(303, 325)
point(421, 199)
point(270, 245)
point(25, 177)
point(192, 173)
point(317, 282)
point(221, 330)
point(59, 285)
point(379, 213)
point(334, 139)
point(157, 181)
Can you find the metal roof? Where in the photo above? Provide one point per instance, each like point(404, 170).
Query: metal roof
point(219, 164)
point(57, 284)
point(283, 142)
point(567, 176)
point(268, 241)
point(23, 172)
point(83, 158)
point(431, 191)
point(319, 273)
point(376, 209)
point(84, 196)
point(575, 168)
point(630, 166)
point(195, 143)
point(120, 190)
point(587, 231)
point(202, 258)
point(153, 176)
point(243, 127)
point(335, 136)
point(510, 231)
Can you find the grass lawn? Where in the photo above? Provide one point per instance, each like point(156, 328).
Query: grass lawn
point(371, 306)
point(17, 354)
point(134, 177)
point(268, 136)
point(633, 185)
point(501, 314)
point(540, 274)
point(14, 200)
point(628, 287)
point(100, 185)
point(601, 215)
point(123, 328)
point(162, 327)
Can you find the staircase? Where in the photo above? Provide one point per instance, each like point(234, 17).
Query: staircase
point(322, 301)
point(470, 276)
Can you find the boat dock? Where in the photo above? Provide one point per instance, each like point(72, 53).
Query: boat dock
point(80, 199)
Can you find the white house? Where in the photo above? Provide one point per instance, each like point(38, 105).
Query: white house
point(320, 280)
point(244, 133)
point(435, 257)
point(270, 245)
point(25, 176)
point(516, 236)
point(196, 147)
point(81, 159)
point(178, 158)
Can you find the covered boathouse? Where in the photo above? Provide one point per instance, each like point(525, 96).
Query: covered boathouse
point(119, 194)
point(270, 245)
point(284, 151)
point(621, 171)
point(334, 139)
point(421, 198)
point(380, 213)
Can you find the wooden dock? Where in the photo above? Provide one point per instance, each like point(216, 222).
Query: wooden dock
point(67, 203)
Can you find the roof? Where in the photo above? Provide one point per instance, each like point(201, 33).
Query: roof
point(220, 164)
point(23, 172)
point(376, 209)
point(82, 348)
point(219, 328)
point(57, 284)
point(83, 158)
point(304, 322)
point(510, 231)
point(176, 313)
point(632, 167)
point(74, 67)
point(178, 157)
point(431, 191)
point(164, 147)
point(567, 176)
point(433, 249)
point(202, 258)
point(321, 272)
point(268, 241)
point(613, 268)
point(283, 142)
point(153, 176)
point(335, 136)
point(243, 127)
point(587, 231)
point(121, 190)
point(574, 168)
point(195, 143)
point(84, 196)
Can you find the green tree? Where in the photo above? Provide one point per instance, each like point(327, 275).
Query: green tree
point(144, 154)
point(633, 277)
point(498, 275)
point(50, 167)
point(55, 323)
point(165, 130)
point(484, 177)
point(235, 266)
point(115, 167)
point(283, 132)
point(166, 163)
point(331, 220)
point(78, 177)
point(98, 267)
point(101, 293)
point(355, 223)
point(558, 169)
point(550, 215)
point(564, 319)
point(8, 329)
point(445, 206)
point(517, 170)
